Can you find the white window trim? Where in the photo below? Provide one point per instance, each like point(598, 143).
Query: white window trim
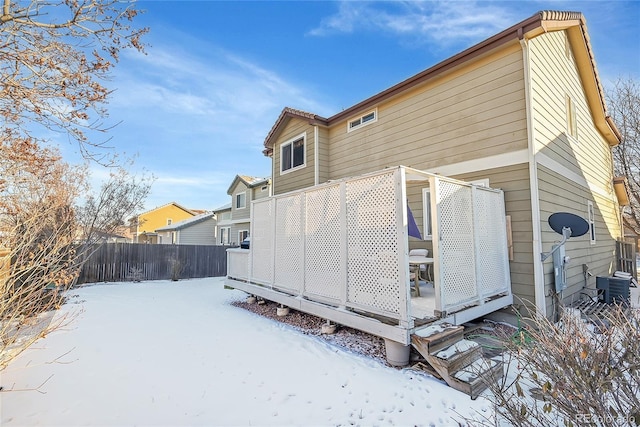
point(222, 235)
point(592, 222)
point(235, 200)
point(572, 119)
point(240, 235)
point(426, 214)
point(362, 124)
point(302, 136)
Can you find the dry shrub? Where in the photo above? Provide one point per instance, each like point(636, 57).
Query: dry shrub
point(574, 372)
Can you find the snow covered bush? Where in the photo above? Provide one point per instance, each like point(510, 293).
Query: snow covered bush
point(575, 372)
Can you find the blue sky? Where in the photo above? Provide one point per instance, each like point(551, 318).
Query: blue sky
point(197, 107)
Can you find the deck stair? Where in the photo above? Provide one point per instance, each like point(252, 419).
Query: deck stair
point(458, 361)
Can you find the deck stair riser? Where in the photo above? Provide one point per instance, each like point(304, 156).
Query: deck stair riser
point(456, 360)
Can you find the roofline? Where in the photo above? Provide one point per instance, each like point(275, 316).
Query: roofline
point(531, 27)
point(165, 205)
point(253, 184)
point(187, 222)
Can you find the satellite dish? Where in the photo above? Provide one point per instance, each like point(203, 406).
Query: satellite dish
point(561, 220)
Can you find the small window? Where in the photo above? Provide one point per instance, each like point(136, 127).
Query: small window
point(242, 234)
point(370, 117)
point(224, 235)
point(567, 47)
point(292, 154)
point(572, 122)
point(426, 209)
point(169, 221)
point(592, 223)
point(241, 200)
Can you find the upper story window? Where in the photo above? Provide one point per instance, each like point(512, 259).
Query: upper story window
point(292, 154)
point(225, 215)
point(365, 119)
point(241, 200)
point(572, 121)
point(169, 221)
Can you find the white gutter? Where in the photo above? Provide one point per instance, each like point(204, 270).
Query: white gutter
point(538, 271)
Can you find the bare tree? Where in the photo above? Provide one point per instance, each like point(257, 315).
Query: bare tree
point(54, 57)
point(624, 105)
point(37, 224)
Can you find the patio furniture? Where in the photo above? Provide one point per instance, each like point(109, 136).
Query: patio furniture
point(416, 261)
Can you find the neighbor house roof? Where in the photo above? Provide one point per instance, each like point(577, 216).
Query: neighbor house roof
point(223, 208)
point(187, 222)
point(165, 205)
point(249, 181)
point(541, 22)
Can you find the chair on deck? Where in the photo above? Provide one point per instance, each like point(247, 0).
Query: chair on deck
point(420, 269)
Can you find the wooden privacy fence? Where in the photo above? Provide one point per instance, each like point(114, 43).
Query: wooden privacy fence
point(116, 262)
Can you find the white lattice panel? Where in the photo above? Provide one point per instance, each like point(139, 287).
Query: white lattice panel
point(237, 264)
point(455, 245)
point(324, 256)
point(262, 241)
point(373, 243)
point(491, 242)
point(289, 243)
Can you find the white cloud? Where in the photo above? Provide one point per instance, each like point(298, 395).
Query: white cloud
point(445, 22)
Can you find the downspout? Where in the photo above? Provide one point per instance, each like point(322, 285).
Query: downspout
point(538, 271)
point(316, 160)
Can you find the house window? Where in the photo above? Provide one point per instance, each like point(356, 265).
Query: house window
point(365, 119)
point(241, 201)
point(224, 235)
point(592, 223)
point(225, 216)
point(292, 154)
point(242, 234)
point(572, 122)
point(169, 221)
point(426, 209)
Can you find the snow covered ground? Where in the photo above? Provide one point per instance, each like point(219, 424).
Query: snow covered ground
point(178, 354)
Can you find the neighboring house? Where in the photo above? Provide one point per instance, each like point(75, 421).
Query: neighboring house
point(197, 230)
point(223, 226)
point(522, 111)
point(144, 225)
point(243, 190)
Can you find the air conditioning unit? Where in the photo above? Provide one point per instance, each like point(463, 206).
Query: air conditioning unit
point(613, 289)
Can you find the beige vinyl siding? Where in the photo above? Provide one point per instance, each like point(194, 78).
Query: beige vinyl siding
point(559, 194)
point(235, 228)
point(244, 212)
point(257, 192)
point(478, 112)
point(323, 154)
point(202, 233)
point(554, 76)
point(300, 178)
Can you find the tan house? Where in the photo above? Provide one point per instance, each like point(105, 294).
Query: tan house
point(143, 227)
point(243, 190)
point(522, 111)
